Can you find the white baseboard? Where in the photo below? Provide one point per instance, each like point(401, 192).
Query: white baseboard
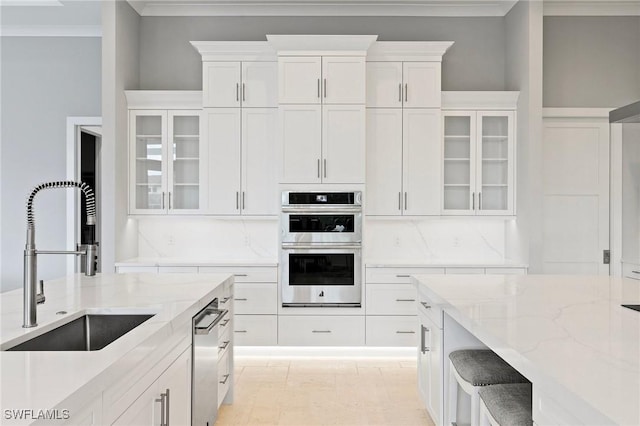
point(324, 352)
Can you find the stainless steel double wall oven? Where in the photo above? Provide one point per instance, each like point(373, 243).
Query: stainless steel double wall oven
point(321, 253)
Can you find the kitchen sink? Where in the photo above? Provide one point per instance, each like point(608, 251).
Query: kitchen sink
point(90, 332)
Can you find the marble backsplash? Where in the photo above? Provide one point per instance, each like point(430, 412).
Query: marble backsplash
point(393, 240)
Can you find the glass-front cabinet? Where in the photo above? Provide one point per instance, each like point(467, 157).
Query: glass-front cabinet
point(166, 174)
point(478, 169)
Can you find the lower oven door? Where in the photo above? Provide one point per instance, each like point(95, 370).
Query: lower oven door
point(326, 276)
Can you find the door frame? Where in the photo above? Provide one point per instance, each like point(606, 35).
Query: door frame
point(74, 127)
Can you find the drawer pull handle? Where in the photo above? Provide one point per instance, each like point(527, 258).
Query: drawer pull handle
point(224, 345)
point(224, 381)
point(225, 322)
point(241, 299)
point(321, 331)
point(240, 331)
point(225, 300)
point(403, 275)
point(426, 306)
point(239, 275)
point(636, 272)
point(405, 332)
point(405, 300)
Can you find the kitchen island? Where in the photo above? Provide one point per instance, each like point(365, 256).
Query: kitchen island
point(567, 334)
point(99, 387)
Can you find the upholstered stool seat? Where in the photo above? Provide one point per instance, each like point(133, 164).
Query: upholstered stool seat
point(506, 405)
point(473, 369)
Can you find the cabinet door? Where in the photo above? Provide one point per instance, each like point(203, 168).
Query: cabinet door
point(221, 84)
point(423, 359)
point(177, 381)
point(422, 87)
point(301, 143)
point(343, 80)
point(434, 344)
point(148, 162)
point(299, 79)
point(223, 140)
point(421, 160)
point(259, 181)
point(494, 170)
point(343, 141)
point(259, 84)
point(458, 195)
point(384, 84)
point(187, 174)
point(384, 161)
point(145, 411)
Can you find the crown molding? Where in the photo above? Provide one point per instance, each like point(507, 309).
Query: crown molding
point(286, 44)
point(504, 100)
point(554, 112)
point(591, 8)
point(408, 50)
point(51, 31)
point(30, 3)
point(164, 99)
point(235, 50)
point(323, 7)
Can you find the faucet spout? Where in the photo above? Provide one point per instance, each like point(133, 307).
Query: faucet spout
point(89, 251)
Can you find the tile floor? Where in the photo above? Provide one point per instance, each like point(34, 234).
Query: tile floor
point(313, 391)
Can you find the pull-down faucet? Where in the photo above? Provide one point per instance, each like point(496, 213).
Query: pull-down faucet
point(89, 251)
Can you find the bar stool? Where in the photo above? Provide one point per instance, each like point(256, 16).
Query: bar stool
point(506, 405)
point(473, 369)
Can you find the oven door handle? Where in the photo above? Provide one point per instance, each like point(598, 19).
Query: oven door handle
point(322, 209)
point(321, 246)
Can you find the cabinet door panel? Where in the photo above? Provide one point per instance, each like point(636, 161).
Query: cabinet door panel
point(148, 161)
point(343, 80)
point(384, 161)
point(145, 411)
point(187, 173)
point(343, 133)
point(299, 79)
point(259, 182)
point(459, 163)
point(223, 137)
point(301, 143)
point(259, 84)
point(422, 87)
point(177, 378)
point(421, 158)
point(221, 84)
point(384, 84)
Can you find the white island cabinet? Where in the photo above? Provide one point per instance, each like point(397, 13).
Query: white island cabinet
point(568, 335)
point(139, 379)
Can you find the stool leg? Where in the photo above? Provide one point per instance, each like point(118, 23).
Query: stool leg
point(484, 418)
point(475, 407)
point(453, 396)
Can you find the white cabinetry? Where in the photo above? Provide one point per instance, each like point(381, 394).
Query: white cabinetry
point(478, 153)
point(407, 84)
point(250, 84)
point(166, 152)
point(242, 162)
point(430, 373)
point(630, 133)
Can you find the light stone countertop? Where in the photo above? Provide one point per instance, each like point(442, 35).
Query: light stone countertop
point(567, 334)
point(442, 263)
point(45, 380)
point(178, 261)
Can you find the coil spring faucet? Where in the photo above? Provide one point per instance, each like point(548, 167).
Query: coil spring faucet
point(89, 251)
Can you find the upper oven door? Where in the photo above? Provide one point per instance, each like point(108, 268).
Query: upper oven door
point(335, 226)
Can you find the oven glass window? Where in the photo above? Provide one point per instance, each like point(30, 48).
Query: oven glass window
point(321, 223)
point(321, 269)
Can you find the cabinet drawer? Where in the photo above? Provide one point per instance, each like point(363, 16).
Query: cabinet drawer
point(255, 330)
point(397, 275)
point(128, 269)
point(245, 274)
point(255, 298)
point(392, 330)
point(427, 306)
point(506, 271)
point(225, 377)
point(631, 270)
point(224, 343)
point(177, 269)
point(391, 299)
point(321, 330)
point(451, 271)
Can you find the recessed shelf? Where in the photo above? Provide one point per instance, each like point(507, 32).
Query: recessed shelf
point(495, 137)
point(149, 136)
point(186, 159)
point(186, 136)
point(457, 136)
point(460, 185)
point(186, 184)
point(148, 184)
point(494, 185)
point(457, 159)
point(495, 159)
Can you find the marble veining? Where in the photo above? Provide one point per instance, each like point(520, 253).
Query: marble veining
point(567, 334)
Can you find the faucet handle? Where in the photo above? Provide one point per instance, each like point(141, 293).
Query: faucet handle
point(40, 294)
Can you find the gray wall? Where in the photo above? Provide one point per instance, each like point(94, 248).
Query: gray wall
point(591, 61)
point(475, 62)
point(44, 81)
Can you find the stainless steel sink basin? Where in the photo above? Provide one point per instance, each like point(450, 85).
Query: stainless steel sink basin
point(90, 332)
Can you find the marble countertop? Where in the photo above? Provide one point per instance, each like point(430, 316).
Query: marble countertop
point(178, 261)
point(44, 380)
point(567, 334)
point(442, 263)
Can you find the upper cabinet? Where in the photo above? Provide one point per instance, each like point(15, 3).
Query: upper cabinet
point(166, 174)
point(250, 84)
point(403, 84)
point(321, 80)
point(479, 153)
